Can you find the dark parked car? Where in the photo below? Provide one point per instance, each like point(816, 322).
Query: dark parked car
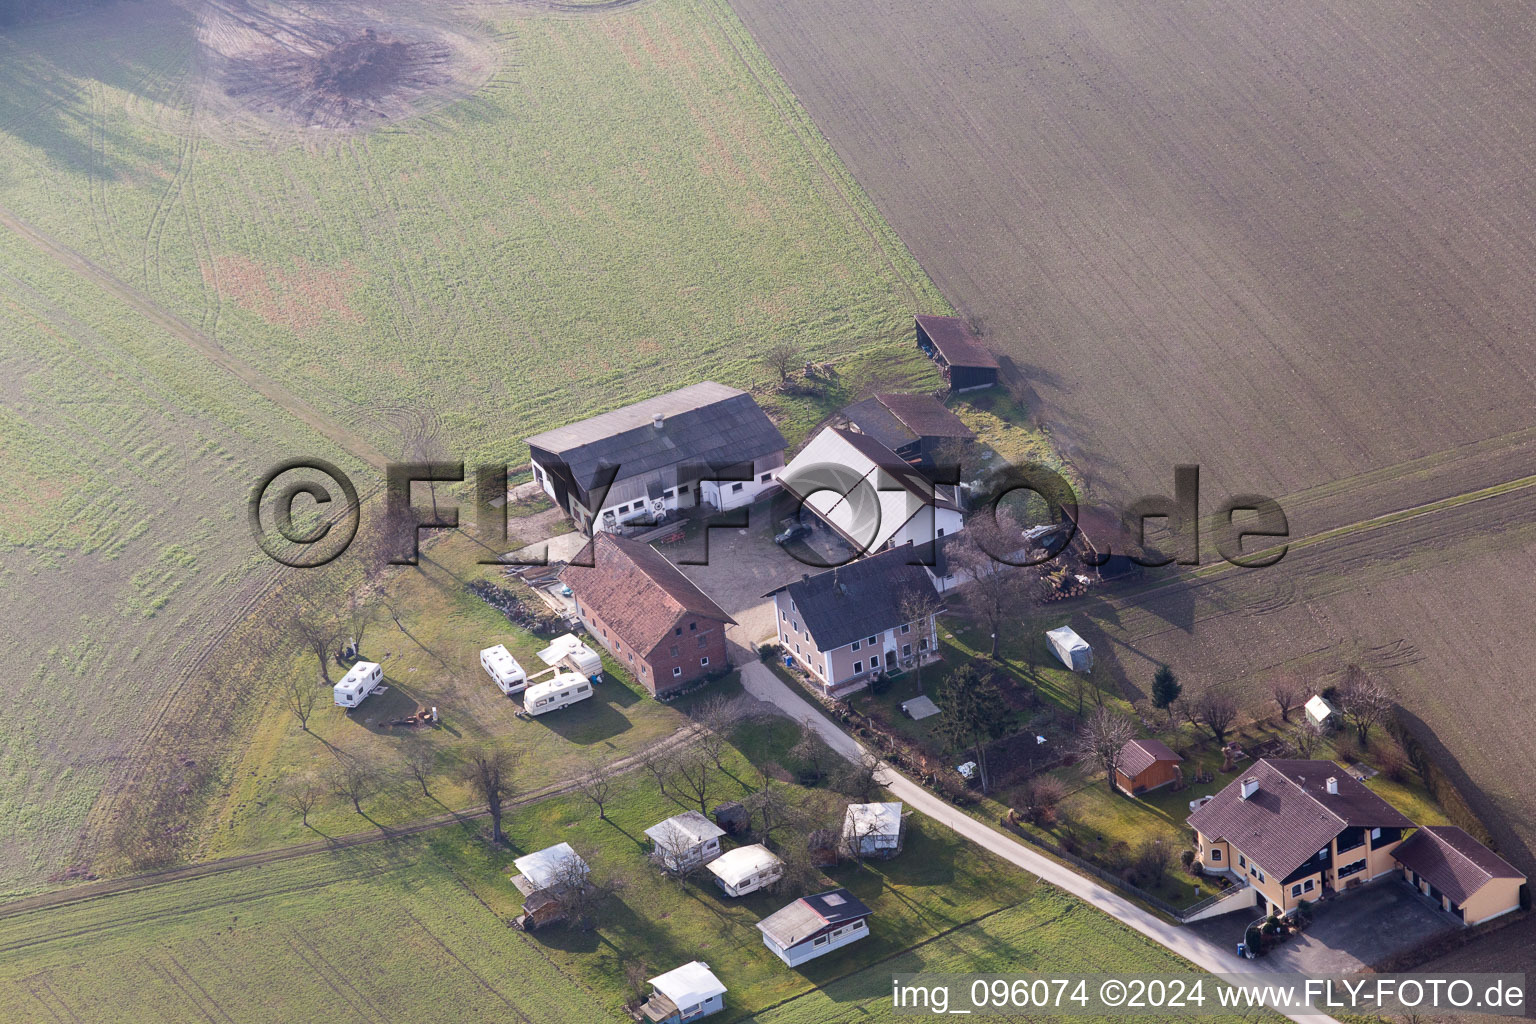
point(799, 531)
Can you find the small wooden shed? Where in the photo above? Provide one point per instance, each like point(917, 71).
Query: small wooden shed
point(1144, 765)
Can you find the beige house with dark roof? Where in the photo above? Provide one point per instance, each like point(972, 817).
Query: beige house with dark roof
point(1461, 874)
point(1297, 830)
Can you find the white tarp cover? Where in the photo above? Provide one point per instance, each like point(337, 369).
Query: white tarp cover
point(543, 868)
point(1072, 649)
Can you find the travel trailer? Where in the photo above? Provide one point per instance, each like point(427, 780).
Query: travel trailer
point(503, 669)
point(562, 691)
point(361, 680)
point(568, 651)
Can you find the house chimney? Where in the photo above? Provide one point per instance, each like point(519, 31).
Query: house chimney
point(656, 421)
point(1333, 786)
point(1250, 787)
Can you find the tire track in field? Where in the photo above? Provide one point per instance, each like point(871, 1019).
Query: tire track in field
point(268, 388)
point(170, 977)
point(299, 947)
point(797, 128)
point(468, 969)
point(210, 1007)
point(336, 979)
point(52, 1004)
point(684, 736)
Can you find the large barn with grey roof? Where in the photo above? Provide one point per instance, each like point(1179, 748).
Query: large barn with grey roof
point(704, 444)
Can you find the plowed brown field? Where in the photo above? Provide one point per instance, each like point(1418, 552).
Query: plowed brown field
point(1291, 242)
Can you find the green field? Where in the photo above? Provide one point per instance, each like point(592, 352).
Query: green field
point(417, 929)
point(630, 201)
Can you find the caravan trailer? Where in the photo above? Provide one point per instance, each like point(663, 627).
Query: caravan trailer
point(562, 691)
point(569, 651)
point(503, 669)
point(361, 680)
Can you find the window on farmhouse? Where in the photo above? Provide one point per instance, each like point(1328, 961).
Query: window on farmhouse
point(703, 641)
point(858, 666)
point(735, 488)
point(674, 650)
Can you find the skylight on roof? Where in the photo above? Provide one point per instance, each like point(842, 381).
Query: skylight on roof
point(833, 899)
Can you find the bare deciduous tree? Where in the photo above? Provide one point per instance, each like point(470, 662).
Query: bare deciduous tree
point(303, 794)
point(300, 695)
point(692, 774)
point(781, 359)
point(995, 589)
point(918, 605)
point(489, 770)
point(596, 784)
point(1100, 739)
point(772, 808)
point(315, 630)
point(715, 716)
point(1304, 738)
point(1215, 707)
point(659, 763)
point(861, 779)
point(584, 891)
point(812, 753)
point(353, 780)
point(1286, 691)
point(1363, 701)
point(419, 761)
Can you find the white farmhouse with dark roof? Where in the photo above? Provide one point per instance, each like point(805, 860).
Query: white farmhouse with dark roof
point(844, 625)
point(867, 494)
point(703, 444)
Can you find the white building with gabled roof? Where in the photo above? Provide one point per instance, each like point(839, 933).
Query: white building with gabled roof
point(685, 841)
point(683, 994)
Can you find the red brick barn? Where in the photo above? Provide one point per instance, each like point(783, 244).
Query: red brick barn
point(648, 615)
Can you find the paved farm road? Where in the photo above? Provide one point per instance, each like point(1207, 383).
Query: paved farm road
point(758, 680)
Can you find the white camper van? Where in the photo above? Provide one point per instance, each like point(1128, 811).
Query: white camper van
point(562, 691)
point(361, 680)
point(569, 651)
point(503, 669)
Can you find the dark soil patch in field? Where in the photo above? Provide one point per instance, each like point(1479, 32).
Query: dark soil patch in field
point(336, 67)
point(342, 83)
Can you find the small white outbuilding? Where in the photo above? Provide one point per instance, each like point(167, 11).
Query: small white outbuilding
point(684, 841)
point(872, 830)
point(1320, 713)
point(361, 680)
point(1072, 649)
point(683, 994)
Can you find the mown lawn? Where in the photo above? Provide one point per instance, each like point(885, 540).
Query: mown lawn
point(430, 658)
point(417, 928)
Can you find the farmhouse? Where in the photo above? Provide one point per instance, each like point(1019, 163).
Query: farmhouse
point(867, 494)
point(648, 615)
point(746, 869)
point(966, 363)
point(912, 426)
point(1144, 765)
point(1297, 830)
point(872, 830)
point(846, 624)
point(705, 444)
point(682, 994)
point(1459, 873)
point(813, 926)
point(684, 841)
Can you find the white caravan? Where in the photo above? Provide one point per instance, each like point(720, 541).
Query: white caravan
point(569, 651)
point(562, 691)
point(361, 680)
point(503, 669)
